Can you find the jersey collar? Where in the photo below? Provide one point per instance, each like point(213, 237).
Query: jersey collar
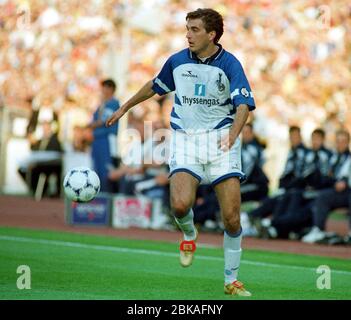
point(215, 56)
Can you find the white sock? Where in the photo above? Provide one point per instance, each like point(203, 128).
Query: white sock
point(232, 254)
point(186, 224)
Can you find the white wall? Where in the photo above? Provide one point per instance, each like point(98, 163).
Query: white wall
point(17, 149)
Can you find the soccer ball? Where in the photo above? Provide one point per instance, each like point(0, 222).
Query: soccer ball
point(81, 184)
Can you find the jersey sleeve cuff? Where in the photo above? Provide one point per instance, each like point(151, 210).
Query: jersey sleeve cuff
point(156, 87)
point(249, 102)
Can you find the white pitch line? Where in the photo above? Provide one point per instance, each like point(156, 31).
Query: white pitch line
point(152, 252)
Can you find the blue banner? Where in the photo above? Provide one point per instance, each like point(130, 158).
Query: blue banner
point(96, 212)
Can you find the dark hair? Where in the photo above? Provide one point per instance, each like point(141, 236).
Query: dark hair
point(343, 132)
point(212, 20)
point(249, 124)
point(320, 132)
point(294, 128)
point(109, 83)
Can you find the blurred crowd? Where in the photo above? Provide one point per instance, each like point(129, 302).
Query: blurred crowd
point(296, 55)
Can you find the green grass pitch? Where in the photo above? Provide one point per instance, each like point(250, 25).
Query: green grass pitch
point(75, 266)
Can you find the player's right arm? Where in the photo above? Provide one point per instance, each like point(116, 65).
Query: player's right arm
point(162, 84)
point(143, 94)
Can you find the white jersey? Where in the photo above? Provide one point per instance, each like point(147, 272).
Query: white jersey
point(207, 93)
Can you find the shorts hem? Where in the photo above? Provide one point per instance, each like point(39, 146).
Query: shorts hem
point(187, 171)
point(241, 177)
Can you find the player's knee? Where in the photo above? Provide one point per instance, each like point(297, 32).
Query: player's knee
point(180, 207)
point(232, 224)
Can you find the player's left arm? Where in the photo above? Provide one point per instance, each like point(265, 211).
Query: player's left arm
point(242, 100)
point(242, 113)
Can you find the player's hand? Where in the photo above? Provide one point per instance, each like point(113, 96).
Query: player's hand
point(340, 186)
point(226, 142)
point(162, 179)
point(115, 117)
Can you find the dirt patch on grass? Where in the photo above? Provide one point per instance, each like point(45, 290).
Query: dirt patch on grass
point(48, 214)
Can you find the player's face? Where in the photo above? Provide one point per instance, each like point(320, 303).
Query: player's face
point(106, 92)
point(198, 38)
point(295, 138)
point(342, 143)
point(317, 141)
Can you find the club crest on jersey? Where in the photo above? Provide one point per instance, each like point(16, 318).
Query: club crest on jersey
point(244, 92)
point(219, 83)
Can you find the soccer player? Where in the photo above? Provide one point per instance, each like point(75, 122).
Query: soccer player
point(211, 105)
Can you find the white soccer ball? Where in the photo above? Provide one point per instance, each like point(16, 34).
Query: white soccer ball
point(81, 184)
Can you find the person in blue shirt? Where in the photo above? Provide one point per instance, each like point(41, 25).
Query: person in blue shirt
point(104, 146)
point(212, 100)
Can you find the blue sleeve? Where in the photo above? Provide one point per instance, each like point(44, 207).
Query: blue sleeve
point(113, 106)
point(110, 108)
point(240, 90)
point(164, 82)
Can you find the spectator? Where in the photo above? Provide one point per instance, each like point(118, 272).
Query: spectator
point(155, 181)
point(206, 208)
point(291, 177)
point(131, 170)
point(255, 187)
point(45, 157)
point(317, 166)
point(336, 196)
point(293, 214)
point(104, 146)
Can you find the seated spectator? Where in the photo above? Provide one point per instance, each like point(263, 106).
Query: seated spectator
point(131, 169)
point(336, 196)
point(206, 208)
point(44, 158)
point(144, 171)
point(155, 181)
point(292, 214)
point(290, 179)
point(255, 187)
point(318, 162)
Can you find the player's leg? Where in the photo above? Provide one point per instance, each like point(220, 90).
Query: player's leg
point(183, 188)
point(224, 172)
point(228, 194)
